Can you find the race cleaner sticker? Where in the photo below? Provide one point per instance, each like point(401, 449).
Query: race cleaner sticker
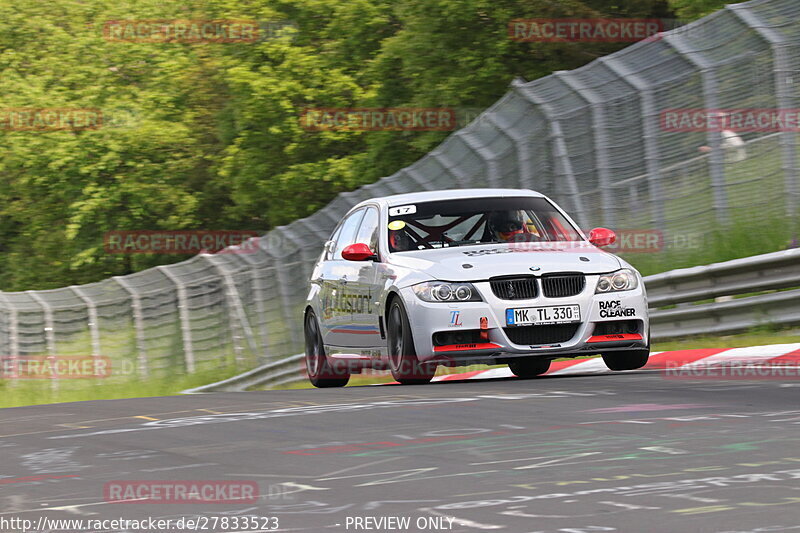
point(614, 309)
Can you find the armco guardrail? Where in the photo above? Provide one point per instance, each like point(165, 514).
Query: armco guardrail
point(591, 138)
point(687, 289)
point(282, 372)
point(682, 288)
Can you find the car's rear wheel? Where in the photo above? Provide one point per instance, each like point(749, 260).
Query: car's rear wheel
point(403, 361)
point(529, 367)
point(630, 360)
point(320, 372)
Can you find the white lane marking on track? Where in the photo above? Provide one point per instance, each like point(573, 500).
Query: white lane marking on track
point(320, 477)
point(74, 509)
point(665, 449)
point(754, 353)
point(493, 373)
point(362, 465)
point(177, 467)
point(405, 477)
point(590, 366)
point(557, 457)
point(556, 462)
point(375, 504)
point(462, 521)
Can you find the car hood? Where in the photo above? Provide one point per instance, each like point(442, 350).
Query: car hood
point(467, 263)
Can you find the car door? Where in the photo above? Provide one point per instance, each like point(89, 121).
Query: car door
point(362, 286)
point(336, 309)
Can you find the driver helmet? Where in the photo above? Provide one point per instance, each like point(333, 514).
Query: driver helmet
point(400, 241)
point(506, 225)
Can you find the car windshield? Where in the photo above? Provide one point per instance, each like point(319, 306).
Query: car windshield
point(471, 221)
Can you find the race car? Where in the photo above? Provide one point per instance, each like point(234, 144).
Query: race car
point(462, 277)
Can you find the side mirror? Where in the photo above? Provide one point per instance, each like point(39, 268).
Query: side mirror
point(602, 237)
point(358, 252)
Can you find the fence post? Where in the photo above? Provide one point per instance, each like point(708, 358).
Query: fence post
point(716, 158)
point(94, 328)
point(183, 313)
point(524, 172)
point(285, 281)
point(49, 332)
point(560, 152)
point(13, 335)
point(649, 135)
point(600, 143)
point(783, 70)
point(448, 165)
point(138, 325)
point(258, 289)
point(563, 162)
point(236, 309)
point(484, 153)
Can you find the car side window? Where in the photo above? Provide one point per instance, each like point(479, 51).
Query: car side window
point(368, 232)
point(331, 243)
point(347, 233)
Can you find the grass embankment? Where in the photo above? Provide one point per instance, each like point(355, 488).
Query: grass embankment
point(15, 393)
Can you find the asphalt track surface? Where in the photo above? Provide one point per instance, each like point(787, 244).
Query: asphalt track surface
point(630, 452)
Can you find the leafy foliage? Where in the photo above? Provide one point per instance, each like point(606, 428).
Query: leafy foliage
point(207, 136)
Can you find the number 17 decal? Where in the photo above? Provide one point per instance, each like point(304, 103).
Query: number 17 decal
point(402, 210)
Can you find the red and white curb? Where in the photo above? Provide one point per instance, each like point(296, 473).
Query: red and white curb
point(783, 354)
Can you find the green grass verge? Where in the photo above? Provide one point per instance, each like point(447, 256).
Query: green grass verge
point(744, 237)
point(757, 222)
point(15, 393)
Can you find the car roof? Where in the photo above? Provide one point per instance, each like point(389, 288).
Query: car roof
point(448, 194)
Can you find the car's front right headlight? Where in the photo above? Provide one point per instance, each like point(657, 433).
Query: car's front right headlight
point(445, 291)
point(621, 280)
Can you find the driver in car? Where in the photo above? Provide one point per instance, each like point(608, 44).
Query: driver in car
point(400, 241)
point(506, 226)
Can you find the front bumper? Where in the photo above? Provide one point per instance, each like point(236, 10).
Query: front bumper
point(590, 335)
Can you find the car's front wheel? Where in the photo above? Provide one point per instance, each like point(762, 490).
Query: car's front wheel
point(529, 367)
point(403, 361)
point(320, 372)
point(630, 360)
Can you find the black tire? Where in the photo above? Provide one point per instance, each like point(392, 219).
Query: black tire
point(320, 373)
point(403, 362)
point(630, 360)
point(529, 367)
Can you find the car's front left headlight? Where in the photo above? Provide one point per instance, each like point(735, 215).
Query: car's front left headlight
point(444, 291)
point(621, 280)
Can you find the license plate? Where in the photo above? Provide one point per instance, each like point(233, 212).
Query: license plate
point(537, 316)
